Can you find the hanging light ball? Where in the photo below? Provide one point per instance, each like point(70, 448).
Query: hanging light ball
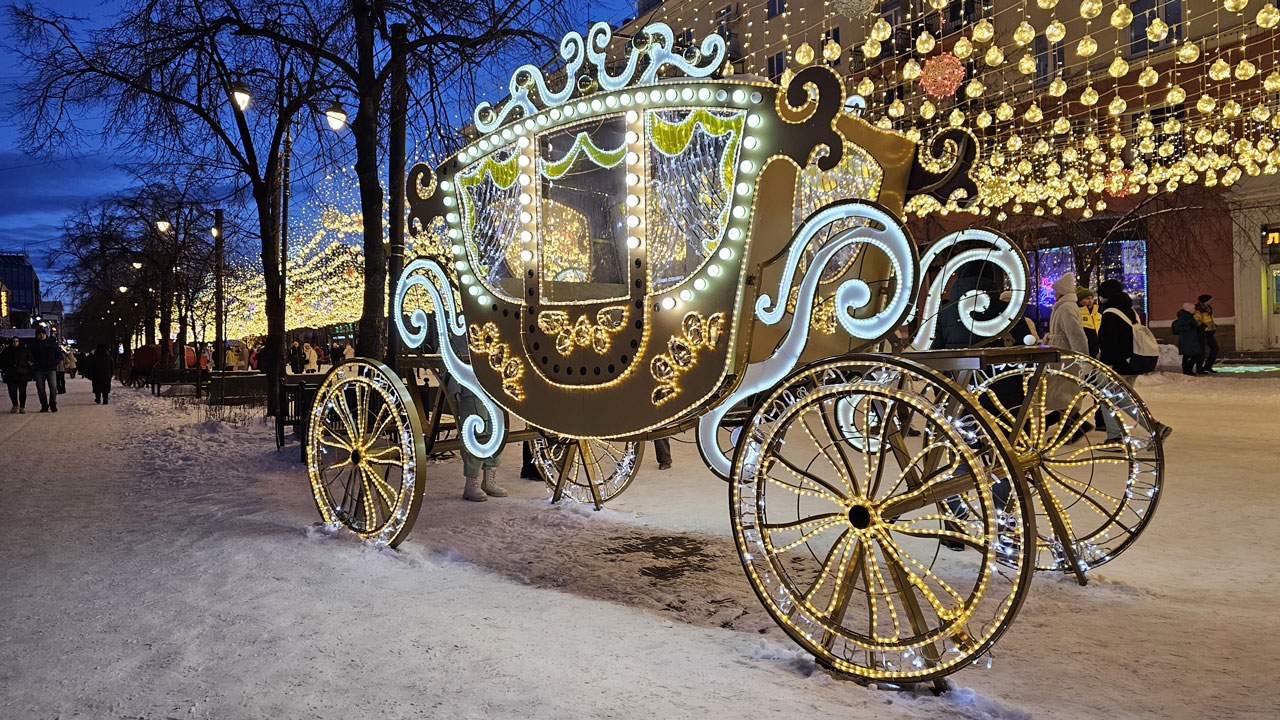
point(853, 8)
point(984, 31)
point(1089, 97)
point(1090, 9)
point(1176, 95)
point(1220, 70)
point(962, 49)
point(1268, 16)
point(881, 30)
point(1122, 16)
point(983, 120)
point(1118, 68)
point(1033, 114)
point(1058, 87)
point(1047, 4)
point(1087, 46)
point(804, 54)
point(928, 110)
point(1148, 77)
point(994, 56)
point(871, 48)
point(910, 70)
point(1055, 31)
point(1206, 104)
point(1025, 34)
point(941, 75)
point(974, 88)
point(1062, 125)
point(1157, 31)
point(1188, 53)
point(1117, 106)
point(1004, 112)
point(1235, 6)
point(1272, 81)
point(1026, 64)
point(831, 51)
point(865, 87)
point(925, 43)
point(1245, 70)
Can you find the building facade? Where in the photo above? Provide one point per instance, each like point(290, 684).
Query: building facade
point(20, 278)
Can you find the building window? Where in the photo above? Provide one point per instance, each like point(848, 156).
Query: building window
point(775, 8)
point(829, 36)
point(777, 64)
point(1145, 11)
point(959, 14)
point(1048, 60)
point(686, 38)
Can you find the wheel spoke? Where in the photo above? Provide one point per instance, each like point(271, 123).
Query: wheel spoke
point(824, 448)
point(826, 410)
point(839, 549)
point(896, 554)
point(822, 488)
point(804, 522)
point(818, 529)
point(1083, 491)
point(874, 567)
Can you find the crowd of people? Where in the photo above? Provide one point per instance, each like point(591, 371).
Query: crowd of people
point(49, 363)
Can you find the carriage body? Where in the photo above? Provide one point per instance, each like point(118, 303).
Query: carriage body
point(607, 251)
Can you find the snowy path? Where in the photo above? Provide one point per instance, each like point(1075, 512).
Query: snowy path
point(155, 565)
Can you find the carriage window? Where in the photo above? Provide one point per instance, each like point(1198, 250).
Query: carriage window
point(491, 212)
point(693, 161)
point(581, 243)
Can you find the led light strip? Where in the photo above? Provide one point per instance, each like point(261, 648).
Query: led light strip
point(1002, 253)
point(428, 275)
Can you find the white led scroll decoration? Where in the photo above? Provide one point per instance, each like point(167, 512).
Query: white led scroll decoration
point(998, 250)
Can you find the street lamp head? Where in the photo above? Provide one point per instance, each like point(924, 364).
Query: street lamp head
point(124, 288)
point(137, 266)
point(336, 116)
point(163, 226)
point(240, 95)
point(213, 231)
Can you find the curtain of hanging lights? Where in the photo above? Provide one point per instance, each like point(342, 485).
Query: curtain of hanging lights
point(1073, 103)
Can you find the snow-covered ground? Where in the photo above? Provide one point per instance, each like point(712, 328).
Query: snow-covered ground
point(155, 564)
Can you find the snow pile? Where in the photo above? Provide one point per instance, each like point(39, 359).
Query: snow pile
point(159, 565)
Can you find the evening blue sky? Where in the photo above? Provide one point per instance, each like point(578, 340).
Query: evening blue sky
point(37, 194)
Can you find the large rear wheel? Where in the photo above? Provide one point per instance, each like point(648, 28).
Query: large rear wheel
point(881, 518)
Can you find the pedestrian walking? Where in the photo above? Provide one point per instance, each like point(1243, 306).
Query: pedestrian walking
point(1187, 329)
point(100, 369)
point(15, 367)
point(61, 370)
point(1117, 339)
point(1208, 328)
point(1066, 332)
point(950, 332)
point(1089, 317)
point(348, 352)
point(45, 354)
point(73, 363)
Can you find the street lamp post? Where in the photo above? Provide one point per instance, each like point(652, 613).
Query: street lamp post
point(395, 175)
point(219, 305)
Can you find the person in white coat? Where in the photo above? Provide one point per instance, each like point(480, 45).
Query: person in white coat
point(311, 359)
point(1066, 332)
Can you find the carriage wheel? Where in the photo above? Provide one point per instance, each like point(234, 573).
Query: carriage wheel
point(875, 508)
point(1093, 496)
point(609, 470)
point(364, 445)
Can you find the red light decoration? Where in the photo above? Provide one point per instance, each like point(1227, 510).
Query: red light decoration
point(942, 75)
point(1118, 180)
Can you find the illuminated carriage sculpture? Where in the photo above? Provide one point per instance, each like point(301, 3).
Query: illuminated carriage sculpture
point(655, 250)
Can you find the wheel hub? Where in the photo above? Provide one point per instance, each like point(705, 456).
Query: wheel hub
point(355, 456)
point(860, 517)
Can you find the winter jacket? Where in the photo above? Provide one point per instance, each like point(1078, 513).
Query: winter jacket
point(296, 358)
point(1187, 329)
point(15, 364)
point(1090, 317)
point(1066, 329)
point(99, 369)
point(312, 360)
point(950, 332)
point(1115, 336)
point(46, 354)
point(1204, 316)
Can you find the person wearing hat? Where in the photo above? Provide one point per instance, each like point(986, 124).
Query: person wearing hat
point(1090, 317)
point(1204, 316)
point(1187, 328)
point(46, 354)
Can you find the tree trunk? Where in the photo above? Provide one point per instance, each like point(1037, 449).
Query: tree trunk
point(271, 357)
point(166, 316)
point(364, 129)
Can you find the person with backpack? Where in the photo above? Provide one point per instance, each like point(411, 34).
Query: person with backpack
point(1188, 332)
point(1127, 346)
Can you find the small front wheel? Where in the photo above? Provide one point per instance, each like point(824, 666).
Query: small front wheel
point(364, 445)
point(594, 471)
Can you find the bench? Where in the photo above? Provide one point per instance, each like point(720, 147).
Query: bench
point(238, 388)
point(195, 377)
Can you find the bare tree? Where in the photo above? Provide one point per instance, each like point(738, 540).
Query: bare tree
point(446, 46)
point(173, 81)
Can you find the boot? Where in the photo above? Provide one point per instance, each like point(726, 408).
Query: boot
point(490, 484)
point(473, 492)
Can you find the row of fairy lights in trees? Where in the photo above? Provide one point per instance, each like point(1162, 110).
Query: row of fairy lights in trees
point(1081, 134)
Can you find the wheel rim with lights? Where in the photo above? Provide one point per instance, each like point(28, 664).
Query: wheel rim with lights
point(1104, 492)
point(364, 445)
point(613, 464)
point(847, 479)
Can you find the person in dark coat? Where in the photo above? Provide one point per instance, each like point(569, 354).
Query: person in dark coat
point(950, 332)
point(99, 369)
point(296, 358)
point(15, 367)
point(1188, 332)
point(46, 354)
point(1208, 327)
point(1115, 336)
